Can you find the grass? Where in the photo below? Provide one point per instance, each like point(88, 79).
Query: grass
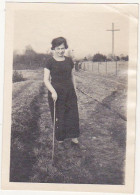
point(102, 134)
point(24, 129)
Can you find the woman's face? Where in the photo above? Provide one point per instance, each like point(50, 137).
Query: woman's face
point(60, 50)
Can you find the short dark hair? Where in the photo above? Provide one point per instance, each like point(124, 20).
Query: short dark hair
point(58, 41)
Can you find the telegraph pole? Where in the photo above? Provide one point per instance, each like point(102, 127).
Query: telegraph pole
point(113, 30)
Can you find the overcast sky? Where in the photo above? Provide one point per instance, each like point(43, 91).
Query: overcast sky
point(84, 27)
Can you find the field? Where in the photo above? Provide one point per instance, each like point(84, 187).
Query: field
point(100, 157)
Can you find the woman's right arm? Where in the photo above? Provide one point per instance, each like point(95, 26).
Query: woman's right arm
point(48, 84)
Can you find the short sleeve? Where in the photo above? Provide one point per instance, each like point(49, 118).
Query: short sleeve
point(48, 64)
point(72, 63)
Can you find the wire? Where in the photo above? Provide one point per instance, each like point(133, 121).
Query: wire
point(105, 105)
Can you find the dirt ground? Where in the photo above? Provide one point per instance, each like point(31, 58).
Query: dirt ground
point(100, 156)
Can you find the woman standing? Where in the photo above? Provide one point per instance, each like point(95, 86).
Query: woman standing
point(59, 79)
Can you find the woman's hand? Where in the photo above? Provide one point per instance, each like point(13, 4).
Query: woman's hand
point(54, 96)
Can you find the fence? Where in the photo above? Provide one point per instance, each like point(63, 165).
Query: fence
point(110, 67)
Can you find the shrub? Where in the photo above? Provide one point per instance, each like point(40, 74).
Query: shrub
point(17, 77)
point(99, 58)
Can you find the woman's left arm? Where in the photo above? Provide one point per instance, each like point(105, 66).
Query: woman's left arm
point(73, 79)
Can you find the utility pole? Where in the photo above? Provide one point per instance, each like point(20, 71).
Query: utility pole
point(113, 30)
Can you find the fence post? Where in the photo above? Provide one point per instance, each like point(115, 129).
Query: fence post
point(116, 67)
point(98, 67)
point(84, 65)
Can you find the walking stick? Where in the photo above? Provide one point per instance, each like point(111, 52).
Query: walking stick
point(53, 131)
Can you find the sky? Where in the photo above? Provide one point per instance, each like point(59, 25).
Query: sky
point(84, 26)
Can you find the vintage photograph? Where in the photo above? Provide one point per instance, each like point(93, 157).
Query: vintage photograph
point(69, 98)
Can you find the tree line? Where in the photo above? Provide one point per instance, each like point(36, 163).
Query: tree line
point(30, 59)
point(98, 57)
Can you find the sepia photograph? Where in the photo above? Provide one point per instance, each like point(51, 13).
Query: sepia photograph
point(70, 86)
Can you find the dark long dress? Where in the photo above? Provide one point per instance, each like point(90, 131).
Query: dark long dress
point(67, 117)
